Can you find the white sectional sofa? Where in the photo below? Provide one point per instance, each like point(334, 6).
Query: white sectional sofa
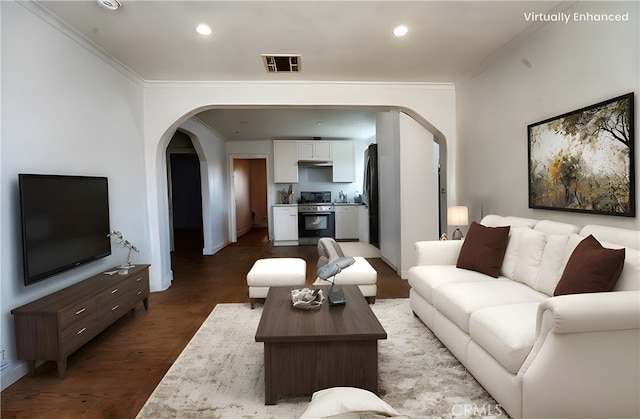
point(539, 356)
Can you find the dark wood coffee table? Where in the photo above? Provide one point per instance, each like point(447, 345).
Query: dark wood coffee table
point(306, 351)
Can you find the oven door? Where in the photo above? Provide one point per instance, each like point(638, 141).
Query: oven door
point(313, 225)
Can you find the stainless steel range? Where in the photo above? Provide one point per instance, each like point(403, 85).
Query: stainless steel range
point(316, 217)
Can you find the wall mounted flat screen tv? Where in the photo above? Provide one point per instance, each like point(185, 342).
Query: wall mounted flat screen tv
point(65, 223)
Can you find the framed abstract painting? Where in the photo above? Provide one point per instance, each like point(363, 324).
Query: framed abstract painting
point(583, 161)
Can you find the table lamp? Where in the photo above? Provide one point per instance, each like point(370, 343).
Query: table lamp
point(457, 216)
point(330, 270)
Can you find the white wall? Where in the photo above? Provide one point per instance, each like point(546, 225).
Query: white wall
point(212, 153)
point(388, 140)
point(408, 187)
point(167, 105)
point(64, 111)
point(559, 68)
point(418, 190)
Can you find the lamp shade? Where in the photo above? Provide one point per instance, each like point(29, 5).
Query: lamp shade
point(457, 216)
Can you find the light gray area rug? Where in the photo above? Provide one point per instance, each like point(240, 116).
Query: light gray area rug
point(220, 373)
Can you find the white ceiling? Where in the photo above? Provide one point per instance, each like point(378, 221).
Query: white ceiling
point(337, 40)
point(244, 124)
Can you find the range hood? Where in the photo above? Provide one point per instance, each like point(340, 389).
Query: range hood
point(315, 163)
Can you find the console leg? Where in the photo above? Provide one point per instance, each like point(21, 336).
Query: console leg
point(31, 364)
point(62, 367)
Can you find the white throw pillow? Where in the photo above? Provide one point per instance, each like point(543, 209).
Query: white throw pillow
point(552, 263)
point(511, 254)
point(630, 277)
point(561, 247)
point(532, 244)
point(337, 400)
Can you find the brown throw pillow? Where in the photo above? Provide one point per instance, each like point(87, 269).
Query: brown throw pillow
point(483, 249)
point(591, 268)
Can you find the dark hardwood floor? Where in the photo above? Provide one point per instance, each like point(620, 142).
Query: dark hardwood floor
point(114, 374)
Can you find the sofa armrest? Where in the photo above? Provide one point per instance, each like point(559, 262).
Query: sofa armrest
point(437, 252)
point(584, 343)
point(591, 312)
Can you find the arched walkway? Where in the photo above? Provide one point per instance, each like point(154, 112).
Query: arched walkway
point(174, 106)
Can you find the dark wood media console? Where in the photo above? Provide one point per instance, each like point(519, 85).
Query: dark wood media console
point(53, 327)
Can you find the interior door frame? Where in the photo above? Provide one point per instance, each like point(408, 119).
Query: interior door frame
point(170, 187)
point(233, 234)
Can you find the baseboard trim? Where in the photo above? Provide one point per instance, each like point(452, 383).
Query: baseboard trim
point(12, 372)
point(208, 251)
point(388, 262)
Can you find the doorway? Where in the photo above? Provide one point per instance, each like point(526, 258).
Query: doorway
point(250, 196)
point(185, 195)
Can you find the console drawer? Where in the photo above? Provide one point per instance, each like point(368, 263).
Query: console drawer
point(77, 335)
point(114, 302)
point(110, 313)
point(77, 312)
point(116, 293)
point(140, 287)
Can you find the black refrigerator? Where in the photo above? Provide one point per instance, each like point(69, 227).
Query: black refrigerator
point(371, 192)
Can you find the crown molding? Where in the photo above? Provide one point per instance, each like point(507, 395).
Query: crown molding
point(227, 83)
point(209, 128)
point(54, 21)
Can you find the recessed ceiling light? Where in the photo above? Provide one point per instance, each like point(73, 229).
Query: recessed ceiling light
point(203, 29)
point(400, 30)
point(109, 4)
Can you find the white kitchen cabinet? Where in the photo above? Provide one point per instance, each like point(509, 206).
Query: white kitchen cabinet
point(347, 225)
point(343, 161)
point(285, 225)
point(314, 150)
point(285, 161)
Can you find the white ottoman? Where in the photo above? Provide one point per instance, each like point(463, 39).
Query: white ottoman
point(362, 274)
point(274, 272)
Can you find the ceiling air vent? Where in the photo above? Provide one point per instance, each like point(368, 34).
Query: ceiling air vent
point(281, 63)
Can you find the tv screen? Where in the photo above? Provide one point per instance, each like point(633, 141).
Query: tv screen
point(65, 223)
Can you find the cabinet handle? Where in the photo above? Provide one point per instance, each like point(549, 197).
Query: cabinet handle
point(115, 307)
point(81, 311)
point(81, 330)
point(114, 291)
point(139, 279)
point(139, 292)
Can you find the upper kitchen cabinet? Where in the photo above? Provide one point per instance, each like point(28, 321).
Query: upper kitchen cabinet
point(285, 161)
point(343, 161)
point(314, 150)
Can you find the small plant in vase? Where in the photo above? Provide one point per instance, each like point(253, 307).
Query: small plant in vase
point(119, 239)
